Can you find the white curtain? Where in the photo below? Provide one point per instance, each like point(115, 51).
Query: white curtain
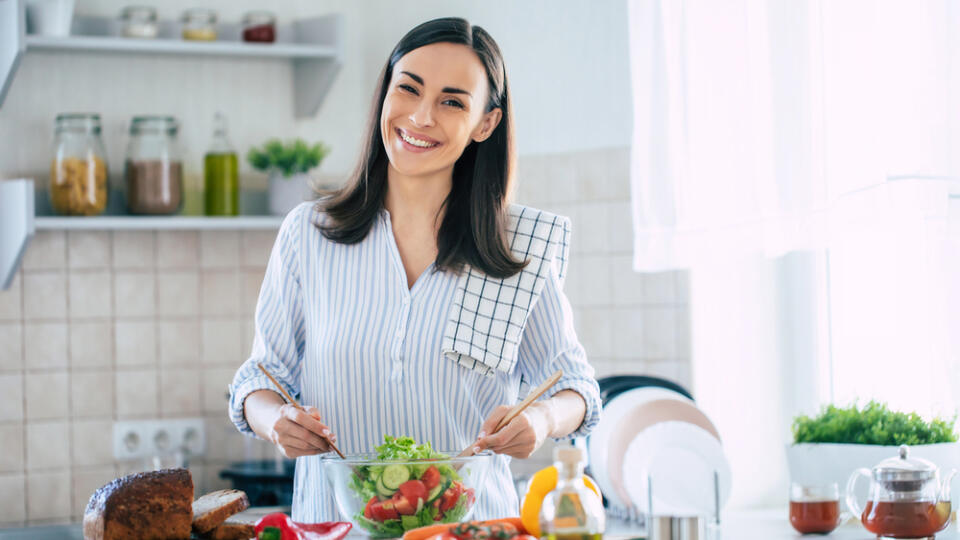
point(799, 159)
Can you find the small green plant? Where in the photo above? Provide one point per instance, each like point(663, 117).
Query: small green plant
point(873, 424)
point(287, 158)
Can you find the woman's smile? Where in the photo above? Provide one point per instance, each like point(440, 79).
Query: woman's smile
point(415, 142)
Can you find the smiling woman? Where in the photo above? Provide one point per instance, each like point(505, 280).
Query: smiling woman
point(442, 109)
point(416, 301)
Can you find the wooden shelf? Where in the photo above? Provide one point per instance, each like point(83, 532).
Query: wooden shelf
point(157, 223)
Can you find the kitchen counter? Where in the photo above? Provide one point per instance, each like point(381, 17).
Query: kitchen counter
point(752, 525)
point(769, 525)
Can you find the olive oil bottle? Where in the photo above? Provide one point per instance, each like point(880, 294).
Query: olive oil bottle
point(571, 511)
point(221, 186)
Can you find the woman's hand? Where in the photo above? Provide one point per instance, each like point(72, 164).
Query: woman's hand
point(295, 433)
point(557, 417)
point(299, 433)
point(521, 437)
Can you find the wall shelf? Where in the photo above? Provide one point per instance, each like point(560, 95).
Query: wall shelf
point(157, 223)
point(313, 46)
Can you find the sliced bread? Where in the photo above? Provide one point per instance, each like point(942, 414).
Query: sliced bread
point(214, 508)
point(238, 527)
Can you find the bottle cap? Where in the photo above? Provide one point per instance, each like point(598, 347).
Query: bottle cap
point(568, 455)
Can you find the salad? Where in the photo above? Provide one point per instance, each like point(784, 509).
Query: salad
point(404, 496)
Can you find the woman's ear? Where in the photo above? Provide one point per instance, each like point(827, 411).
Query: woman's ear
point(489, 123)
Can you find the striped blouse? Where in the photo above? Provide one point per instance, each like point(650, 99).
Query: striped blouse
point(338, 326)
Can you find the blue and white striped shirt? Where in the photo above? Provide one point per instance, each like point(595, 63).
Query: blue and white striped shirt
point(333, 321)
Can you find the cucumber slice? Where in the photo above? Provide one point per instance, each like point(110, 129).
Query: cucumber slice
point(384, 490)
point(435, 492)
point(394, 475)
point(409, 522)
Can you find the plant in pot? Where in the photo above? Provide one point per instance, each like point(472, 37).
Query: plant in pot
point(288, 165)
point(830, 446)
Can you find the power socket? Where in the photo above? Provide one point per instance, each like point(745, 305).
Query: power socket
point(136, 439)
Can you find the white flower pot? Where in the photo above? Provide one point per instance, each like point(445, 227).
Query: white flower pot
point(287, 192)
point(822, 463)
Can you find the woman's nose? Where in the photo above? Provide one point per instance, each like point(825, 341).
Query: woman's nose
point(422, 116)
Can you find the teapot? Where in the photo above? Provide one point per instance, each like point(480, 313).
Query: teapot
point(906, 498)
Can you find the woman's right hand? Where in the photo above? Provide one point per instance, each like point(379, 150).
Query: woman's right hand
point(295, 433)
point(299, 433)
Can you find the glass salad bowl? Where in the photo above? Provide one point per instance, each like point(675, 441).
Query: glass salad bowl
point(386, 497)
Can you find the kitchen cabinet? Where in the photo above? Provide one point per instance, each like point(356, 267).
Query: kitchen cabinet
point(313, 45)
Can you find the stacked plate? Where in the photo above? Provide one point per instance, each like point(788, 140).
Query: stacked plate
point(657, 434)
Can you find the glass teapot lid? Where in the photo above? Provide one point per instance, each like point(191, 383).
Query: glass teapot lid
point(904, 469)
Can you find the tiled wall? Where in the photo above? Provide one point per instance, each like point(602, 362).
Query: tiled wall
point(103, 326)
point(629, 323)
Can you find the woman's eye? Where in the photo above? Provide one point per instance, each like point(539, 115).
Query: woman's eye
point(408, 88)
point(454, 103)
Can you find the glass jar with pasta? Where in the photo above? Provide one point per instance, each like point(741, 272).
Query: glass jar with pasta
point(78, 173)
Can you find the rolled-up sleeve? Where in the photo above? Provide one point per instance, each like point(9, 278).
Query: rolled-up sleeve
point(550, 343)
point(278, 341)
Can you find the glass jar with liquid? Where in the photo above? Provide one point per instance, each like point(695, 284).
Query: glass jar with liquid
point(221, 186)
point(571, 511)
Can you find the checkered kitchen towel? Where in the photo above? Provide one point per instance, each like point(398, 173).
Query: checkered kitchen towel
point(488, 314)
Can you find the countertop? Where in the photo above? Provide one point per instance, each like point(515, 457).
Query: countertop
point(750, 525)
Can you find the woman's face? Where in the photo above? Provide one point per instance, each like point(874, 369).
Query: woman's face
point(434, 108)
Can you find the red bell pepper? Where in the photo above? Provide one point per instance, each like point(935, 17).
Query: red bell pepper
point(291, 530)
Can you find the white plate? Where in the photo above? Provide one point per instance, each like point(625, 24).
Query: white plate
point(598, 443)
point(640, 418)
point(681, 459)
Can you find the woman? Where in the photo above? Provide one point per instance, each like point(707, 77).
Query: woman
point(362, 286)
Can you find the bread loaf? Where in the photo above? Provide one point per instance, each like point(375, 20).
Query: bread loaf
point(154, 505)
point(214, 508)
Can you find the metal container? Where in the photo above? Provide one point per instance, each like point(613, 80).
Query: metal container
point(677, 528)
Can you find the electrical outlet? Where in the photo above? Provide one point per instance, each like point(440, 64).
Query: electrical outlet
point(135, 439)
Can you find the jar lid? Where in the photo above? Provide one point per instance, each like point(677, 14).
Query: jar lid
point(139, 13)
point(200, 15)
point(259, 17)
point(153, 123)
point(904, 468)
point(78, 122)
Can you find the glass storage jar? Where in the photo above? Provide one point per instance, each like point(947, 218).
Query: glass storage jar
point(199, 24)
point(259, 27)
point(139, 22)
point(78, 173)
point(153, 169)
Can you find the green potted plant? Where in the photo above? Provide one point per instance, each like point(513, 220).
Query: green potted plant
point(828, 447)
point(288, 165)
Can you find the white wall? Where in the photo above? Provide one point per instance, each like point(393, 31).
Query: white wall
point(567, 66)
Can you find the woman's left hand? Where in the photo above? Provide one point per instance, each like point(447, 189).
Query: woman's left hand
point(521, 437)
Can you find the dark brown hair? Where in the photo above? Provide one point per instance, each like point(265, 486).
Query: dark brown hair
point(473, 230)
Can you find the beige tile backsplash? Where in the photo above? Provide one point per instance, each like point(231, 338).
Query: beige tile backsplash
point(11, 346)
point(103, 326)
